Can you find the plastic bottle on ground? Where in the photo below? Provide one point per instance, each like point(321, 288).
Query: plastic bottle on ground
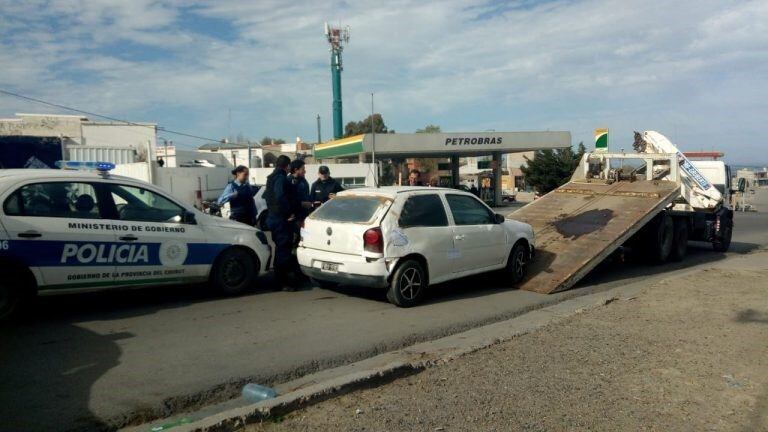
point(256, 393)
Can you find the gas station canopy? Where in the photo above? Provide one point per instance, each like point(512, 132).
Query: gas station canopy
point(442, 144)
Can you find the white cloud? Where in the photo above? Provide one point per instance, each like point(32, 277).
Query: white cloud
point(468, 65)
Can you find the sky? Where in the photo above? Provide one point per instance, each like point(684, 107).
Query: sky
point(696, 71)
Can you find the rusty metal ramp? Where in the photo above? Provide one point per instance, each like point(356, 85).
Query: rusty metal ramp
point(580, 224)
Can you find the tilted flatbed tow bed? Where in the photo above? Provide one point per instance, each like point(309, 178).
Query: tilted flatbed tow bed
point(582, 222)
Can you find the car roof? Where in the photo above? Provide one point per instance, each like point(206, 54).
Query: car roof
point(43, 174)
point(392, 191)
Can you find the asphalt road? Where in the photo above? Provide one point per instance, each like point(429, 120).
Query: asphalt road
point(93, 361)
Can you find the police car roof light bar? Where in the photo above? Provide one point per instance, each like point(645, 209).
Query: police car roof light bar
point(102, 167)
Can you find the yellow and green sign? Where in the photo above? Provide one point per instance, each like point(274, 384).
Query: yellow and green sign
point(340, 148)
point(601, 140)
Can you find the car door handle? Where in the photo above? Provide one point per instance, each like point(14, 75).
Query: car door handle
point(459, 237)
point(129, 238)
point(30, 234)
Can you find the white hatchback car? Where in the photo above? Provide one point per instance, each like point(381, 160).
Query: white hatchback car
point(63, 230)
point(406, 238)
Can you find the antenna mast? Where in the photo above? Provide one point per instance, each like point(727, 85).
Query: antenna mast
point(337, 38)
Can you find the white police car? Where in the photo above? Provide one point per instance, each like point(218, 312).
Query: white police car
point(65, 230)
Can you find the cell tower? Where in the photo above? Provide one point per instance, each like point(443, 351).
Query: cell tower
point(337, 37)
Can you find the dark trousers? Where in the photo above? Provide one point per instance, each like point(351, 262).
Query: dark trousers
point(282, 236)
point(245, 218)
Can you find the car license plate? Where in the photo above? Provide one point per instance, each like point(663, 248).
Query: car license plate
point(329, 267)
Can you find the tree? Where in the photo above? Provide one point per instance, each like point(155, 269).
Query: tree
point(550, 169)
point(364, 126)
point(430, 128)
point(269, 141)
point(427, 165)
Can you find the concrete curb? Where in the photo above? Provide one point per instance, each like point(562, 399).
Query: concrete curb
point(387, 367)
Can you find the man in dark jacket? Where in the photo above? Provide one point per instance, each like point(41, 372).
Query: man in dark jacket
point(300, 195)
point(280, 218)
point(325, 187)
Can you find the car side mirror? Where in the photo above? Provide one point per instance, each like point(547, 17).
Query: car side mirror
point(499, 218)
point(188, 218)
point(742, 185)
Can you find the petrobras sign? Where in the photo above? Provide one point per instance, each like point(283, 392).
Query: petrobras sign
point(466, 141)
point(693, 172)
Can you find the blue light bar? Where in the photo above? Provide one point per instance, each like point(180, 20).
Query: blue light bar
point(98, 166)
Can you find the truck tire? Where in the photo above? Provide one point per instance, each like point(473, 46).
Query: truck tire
point(234, 271)
point(680, 240)
point(725, 242)
point(661, 238)
point(408, 284)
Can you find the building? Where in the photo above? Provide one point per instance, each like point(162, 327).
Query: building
point(83, 139)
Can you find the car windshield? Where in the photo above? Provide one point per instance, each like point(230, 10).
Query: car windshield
point(352, 208)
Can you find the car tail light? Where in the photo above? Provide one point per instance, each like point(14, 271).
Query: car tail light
point(373, 241)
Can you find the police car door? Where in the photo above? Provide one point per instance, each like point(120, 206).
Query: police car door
point(56, 228)
point(164, 249)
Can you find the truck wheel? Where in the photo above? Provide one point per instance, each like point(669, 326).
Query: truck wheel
point(725, 242)
point(680, 241)
point(234, 271)
point(661, 239)
point(408, 284)
point(516, 264)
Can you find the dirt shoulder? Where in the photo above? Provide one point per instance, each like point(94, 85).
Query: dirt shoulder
point(688, 354)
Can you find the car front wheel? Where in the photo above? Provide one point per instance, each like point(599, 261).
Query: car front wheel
point(234, 272)
point(408, 284)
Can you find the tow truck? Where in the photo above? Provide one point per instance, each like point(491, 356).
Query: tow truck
point(654, 200)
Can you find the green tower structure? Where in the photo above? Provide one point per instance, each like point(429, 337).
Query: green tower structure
point(337, 37)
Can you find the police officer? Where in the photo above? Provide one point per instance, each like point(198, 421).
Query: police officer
point(280, 219)
point(239, 194)
point(325, 186)
point(300, 196)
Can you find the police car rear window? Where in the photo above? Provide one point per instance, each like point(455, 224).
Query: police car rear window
point(351, 208)
point(54, 199)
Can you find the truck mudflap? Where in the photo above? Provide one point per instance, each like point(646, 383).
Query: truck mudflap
point(581, 223)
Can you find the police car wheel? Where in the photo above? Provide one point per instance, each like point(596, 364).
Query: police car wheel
point(234, 271)
point(10, 298)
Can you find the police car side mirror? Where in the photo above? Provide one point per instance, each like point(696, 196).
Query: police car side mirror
point(188, 218)
point(499, 218)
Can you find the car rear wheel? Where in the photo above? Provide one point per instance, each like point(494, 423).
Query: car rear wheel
point(234, 271)
point(517, 263)
point(408, 284)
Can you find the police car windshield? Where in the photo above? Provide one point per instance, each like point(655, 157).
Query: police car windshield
point(352, 208)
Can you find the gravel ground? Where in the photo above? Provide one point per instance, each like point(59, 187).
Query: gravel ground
point(688, 354)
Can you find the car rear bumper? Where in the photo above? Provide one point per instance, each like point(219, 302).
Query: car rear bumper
point(352, 269)
point(346, 278)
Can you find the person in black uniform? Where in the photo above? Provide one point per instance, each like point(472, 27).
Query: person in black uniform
point(302, 205)
point(239, 194)
point(325, 187)
point(280, 219)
